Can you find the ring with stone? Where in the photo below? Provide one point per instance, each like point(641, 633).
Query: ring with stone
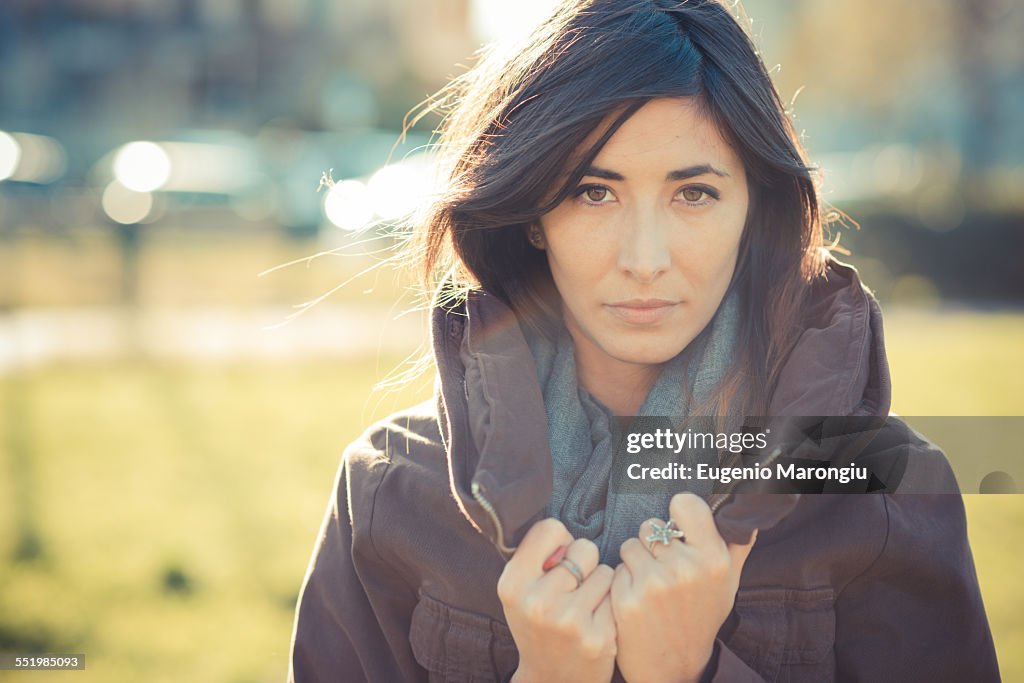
point(664, 534)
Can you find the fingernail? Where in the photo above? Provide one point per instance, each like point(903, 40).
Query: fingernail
point(555, 557)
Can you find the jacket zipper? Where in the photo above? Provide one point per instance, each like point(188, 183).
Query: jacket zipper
point(715, 505)
point(478, 493)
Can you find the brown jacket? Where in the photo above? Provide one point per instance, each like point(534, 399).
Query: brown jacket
point(402, 582)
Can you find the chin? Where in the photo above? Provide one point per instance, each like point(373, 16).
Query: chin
point(645, 353)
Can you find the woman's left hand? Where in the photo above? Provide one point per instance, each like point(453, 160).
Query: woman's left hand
point(670, 600)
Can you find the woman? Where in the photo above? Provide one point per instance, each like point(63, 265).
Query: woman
point(630, 228)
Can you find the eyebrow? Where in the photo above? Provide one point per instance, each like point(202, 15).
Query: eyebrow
point(678, 174)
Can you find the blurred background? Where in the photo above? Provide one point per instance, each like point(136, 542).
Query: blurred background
point(179, 375)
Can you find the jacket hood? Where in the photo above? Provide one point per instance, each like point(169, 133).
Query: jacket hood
point(499, 461)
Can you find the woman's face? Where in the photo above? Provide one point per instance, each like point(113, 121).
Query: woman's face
point(644, 249)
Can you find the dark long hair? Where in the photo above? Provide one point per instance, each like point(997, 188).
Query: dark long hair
point(511, 142)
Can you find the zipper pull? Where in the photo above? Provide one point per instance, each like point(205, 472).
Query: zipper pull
point(478, 494)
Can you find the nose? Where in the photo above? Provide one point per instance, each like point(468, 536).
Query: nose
point(644, 247)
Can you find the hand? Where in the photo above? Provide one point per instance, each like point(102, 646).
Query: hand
point(670, 600)
point(563, 633)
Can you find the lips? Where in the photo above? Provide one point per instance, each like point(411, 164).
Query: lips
point(643, 311)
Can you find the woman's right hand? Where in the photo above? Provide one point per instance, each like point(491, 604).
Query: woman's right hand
point(563, 633)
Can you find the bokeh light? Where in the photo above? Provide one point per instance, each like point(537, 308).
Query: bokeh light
point(507, 21)
point(10, 154)
point(125, 205)
point(397, 190)
point(43, 159)
point(348, 205)
point(142, 166)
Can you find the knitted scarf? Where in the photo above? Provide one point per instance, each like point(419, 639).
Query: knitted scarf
point(580, 430)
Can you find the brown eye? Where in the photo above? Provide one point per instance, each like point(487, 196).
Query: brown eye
point(596, 194)
point(692, 194)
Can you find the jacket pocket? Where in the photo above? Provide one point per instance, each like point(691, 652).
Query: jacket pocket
point(785, 634)
point(455, 644)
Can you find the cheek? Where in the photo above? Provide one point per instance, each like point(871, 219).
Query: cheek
point(730, 233)
point(713, 259)
point(575, 275)
point(578, 257)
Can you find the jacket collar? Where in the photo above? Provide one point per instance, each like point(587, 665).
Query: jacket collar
point(839, 365)
point(499, 461)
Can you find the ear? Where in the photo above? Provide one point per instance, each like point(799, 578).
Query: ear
point(535, 236)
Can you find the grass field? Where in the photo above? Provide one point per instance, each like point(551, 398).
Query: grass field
point(158, 517)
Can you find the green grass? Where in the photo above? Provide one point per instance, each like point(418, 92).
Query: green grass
point(955, 362)
point(176, 508)
point(175, 505)
point(964, 363)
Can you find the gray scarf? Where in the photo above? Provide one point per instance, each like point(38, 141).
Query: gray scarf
point(581, 439)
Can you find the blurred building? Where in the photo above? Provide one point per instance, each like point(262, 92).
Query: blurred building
point(98, 72)
point(912, 109)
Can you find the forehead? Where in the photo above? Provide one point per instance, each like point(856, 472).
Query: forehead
point(664, 134)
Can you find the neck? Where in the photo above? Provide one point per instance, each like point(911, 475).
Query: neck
point(619, 385)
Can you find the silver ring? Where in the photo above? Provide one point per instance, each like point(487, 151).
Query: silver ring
point(573, 569)
point(664, 534)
